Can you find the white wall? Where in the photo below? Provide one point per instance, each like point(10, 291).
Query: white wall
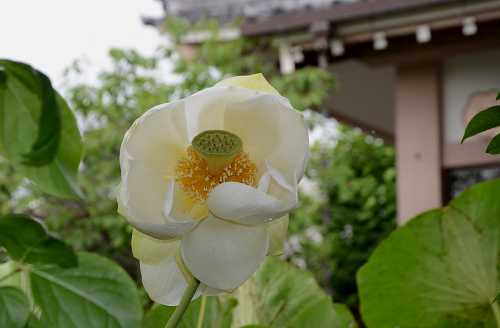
point(464, 75)
point(365, 94)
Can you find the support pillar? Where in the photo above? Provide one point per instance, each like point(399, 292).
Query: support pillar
point(418, 139)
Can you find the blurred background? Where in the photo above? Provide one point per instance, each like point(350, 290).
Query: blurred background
point(387, 87)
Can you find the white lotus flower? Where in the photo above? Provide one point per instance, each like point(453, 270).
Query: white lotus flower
point(207, 182)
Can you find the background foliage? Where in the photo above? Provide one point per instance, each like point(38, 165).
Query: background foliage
point(277, 296)
point(44, 283)
point(355, 175)
point(441, 268)
point(106, 108)
point(333, 232)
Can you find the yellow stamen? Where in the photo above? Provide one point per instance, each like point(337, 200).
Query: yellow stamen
point(197, 180)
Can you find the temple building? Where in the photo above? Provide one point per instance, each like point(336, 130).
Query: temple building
point(412, 72)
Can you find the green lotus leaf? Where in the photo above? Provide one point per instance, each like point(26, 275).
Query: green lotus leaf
point(440, 269)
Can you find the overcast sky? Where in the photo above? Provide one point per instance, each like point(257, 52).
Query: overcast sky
point(50, 34)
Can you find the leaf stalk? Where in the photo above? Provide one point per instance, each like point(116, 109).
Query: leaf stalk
point(10, 274)
point(496, 312)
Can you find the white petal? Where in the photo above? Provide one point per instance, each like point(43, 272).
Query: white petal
point(162, 279)
point(255, 82)
point(205, 110)
point(141, 202)
point(150, 250)
point(161, 231)
point(164, 282)
point(149, 153)
point(278, 231)
point(280, 179)
point(280, 188)
point(269, 127)
point(223, 255)
point(264, 181)
point(244, 204)
point(158, 138)
point(271, 131)
point(178, 207)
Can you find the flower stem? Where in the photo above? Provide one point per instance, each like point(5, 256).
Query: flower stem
point(182, 307)
point(496, 312)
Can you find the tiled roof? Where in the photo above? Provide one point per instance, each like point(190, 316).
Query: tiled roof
point(296, 19)
point(228, 10)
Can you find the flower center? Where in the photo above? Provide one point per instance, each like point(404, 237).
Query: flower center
point(214, 157)
point(218, 148)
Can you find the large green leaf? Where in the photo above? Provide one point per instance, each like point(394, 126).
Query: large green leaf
point(14, 308)
point(280, 295)
point(440, 269)
point(38, 132)
point(484, 120)
point(7, 275)
point(44, 149)
point(34, 322)
point(216, 312)
point(27, 241)
point(494, 145)
point(60, 177)
point(96, 294)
